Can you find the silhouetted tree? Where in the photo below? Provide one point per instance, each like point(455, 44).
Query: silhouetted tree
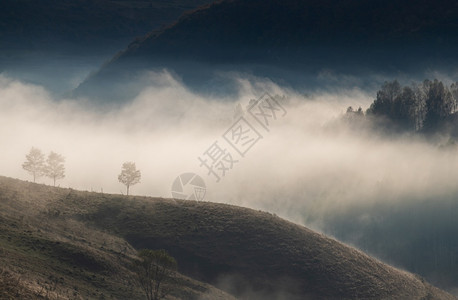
point(439, 103)
point(386, 97)
point(405, 107)
point(418, 107)
point(154, 268)
point(353, 115)
point(54, 167)
point(35, 162)
point(129, 175)
point(454, 92)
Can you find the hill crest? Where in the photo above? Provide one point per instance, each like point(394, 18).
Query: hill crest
point(246, 252)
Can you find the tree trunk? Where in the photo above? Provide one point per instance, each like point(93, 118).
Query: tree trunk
point(127, 190)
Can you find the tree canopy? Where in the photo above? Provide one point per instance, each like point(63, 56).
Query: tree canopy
point(129, 175)
point(154, 268)
point(423, 107)
point(54, 167)
point(35, 162)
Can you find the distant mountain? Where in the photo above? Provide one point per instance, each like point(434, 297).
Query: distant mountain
point(88, 238)
point(56, 44)
point(44, 25)
point(302, 36)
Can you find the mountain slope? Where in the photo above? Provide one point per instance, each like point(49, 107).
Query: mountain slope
point(47, 25)
point(248, 253)
point(47, 256)
point(57, 43)
point(304, 36)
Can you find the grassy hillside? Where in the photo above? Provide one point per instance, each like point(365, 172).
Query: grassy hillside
point(47, 256)
point(89, 238)
point(420, 236)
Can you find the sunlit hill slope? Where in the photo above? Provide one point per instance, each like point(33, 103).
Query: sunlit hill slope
point(86, 241)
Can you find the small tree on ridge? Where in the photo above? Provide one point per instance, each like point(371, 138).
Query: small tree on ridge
point(129, 175)
point(35, 162)
point(55, 168)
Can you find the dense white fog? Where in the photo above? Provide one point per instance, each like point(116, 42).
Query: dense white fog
point(308, 163)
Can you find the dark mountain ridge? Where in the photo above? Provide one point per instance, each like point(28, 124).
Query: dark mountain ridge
point(57, 43)
point(47, 25)
point(301, 36)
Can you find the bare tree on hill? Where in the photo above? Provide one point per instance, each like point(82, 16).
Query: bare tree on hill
point(153, 270)
point(129, 175)
point(35, 162)
point(54, 167)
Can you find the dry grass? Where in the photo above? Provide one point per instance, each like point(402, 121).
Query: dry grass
point(11, 286)
point(56, 255)
point(90, 238)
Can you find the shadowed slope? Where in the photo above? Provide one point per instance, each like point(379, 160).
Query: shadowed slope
point(246, 252)
point(47, 255)
point(253, 252)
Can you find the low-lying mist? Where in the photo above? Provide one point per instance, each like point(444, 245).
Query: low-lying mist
point(310, 165)
point(309, 157)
